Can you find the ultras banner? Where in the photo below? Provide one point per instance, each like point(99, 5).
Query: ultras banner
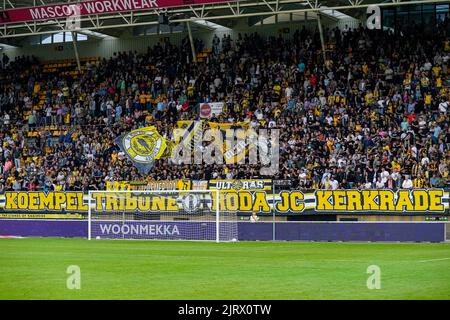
point(84, 8)
point(243, 201)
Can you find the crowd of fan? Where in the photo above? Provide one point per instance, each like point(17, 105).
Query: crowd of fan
point(374, 114)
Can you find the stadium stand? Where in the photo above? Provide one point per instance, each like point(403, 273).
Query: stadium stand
point(374, 115)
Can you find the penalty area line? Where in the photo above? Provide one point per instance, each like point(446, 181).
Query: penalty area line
point(431, 260)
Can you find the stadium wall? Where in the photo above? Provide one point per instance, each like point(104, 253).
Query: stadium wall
point(106, 47)
point(280, 231)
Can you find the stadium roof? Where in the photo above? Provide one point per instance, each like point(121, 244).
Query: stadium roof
point(210, 13)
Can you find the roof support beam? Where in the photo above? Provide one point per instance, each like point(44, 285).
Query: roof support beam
point(322, 42)
point(191, 40)
point(75, 48)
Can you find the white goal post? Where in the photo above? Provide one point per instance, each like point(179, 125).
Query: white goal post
point(160, 214)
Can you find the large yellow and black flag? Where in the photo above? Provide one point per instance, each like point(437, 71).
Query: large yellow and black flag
point(142, 146)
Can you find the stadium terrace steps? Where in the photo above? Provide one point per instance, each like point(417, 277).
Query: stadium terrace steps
point(66, 67)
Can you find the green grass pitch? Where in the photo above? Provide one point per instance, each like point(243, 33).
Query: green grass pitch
point(36, 268)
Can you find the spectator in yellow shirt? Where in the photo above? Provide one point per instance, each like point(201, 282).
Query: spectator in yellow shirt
point(428, 99)
point(418, 182)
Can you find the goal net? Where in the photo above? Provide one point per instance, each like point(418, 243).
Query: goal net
point(160, 214)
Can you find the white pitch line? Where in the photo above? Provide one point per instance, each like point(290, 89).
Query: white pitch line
point(435, 260)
